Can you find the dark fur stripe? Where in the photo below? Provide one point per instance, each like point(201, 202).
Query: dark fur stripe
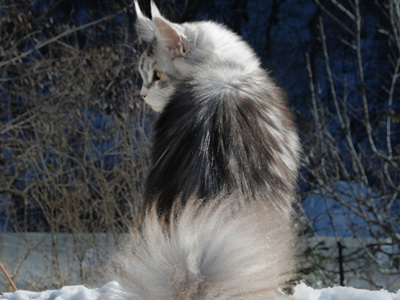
point(207, 145)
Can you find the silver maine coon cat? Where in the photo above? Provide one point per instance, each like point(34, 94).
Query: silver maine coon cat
point(225, 159)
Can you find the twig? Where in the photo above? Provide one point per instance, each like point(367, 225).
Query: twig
point(8, 277)
point(49, 41)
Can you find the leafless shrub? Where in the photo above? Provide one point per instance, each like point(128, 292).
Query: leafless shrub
point(73, 134)
point(353, 146)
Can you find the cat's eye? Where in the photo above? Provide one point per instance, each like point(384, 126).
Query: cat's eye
point(157, 75)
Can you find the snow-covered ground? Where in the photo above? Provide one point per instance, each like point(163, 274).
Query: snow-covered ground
point(302, 292)
point(80, 258)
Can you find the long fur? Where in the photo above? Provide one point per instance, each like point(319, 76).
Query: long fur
point(223, 132)
point(224, 126)
point(225, 159)
point(206, 252)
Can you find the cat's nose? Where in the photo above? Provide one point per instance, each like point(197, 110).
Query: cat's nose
point(143, 94)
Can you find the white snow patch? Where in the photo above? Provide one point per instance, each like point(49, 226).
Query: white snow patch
point(301, 292)
point(304, 292)
point(74, 292)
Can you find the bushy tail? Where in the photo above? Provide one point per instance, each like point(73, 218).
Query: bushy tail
point(206, 251)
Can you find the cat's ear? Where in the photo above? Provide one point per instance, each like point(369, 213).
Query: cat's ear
point(171, 37)
point(144, 26)
point(168, 33)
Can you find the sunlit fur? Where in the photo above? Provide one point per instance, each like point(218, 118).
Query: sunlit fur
point(206, 252)
point(224, 125)
point(205, 43)
point(225, 158)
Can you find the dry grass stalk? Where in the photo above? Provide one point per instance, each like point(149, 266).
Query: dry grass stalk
point(3, 268)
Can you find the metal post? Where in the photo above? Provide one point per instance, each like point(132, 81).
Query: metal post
point(341, 272)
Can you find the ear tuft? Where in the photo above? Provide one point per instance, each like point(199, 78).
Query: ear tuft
point(139, 13)
point(144, 27)
point(154, 10)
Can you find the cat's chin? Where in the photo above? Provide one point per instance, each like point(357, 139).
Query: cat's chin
point(155, 107)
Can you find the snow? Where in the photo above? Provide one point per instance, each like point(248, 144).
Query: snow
point(301, 292)
point(75, 292)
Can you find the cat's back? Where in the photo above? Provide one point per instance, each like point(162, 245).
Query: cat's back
point(215, 42)
point(226, 128)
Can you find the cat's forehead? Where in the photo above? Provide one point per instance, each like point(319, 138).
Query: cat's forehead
point(147, 62)
point(148, 50)
point(152, 59)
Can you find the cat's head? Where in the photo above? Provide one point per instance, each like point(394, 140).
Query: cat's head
point(175, 52)
point(168, 56)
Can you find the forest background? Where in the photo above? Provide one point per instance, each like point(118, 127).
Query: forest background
point(74, 135)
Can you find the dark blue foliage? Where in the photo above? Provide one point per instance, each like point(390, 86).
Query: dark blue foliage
point(336, 211)
point(281, 32)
